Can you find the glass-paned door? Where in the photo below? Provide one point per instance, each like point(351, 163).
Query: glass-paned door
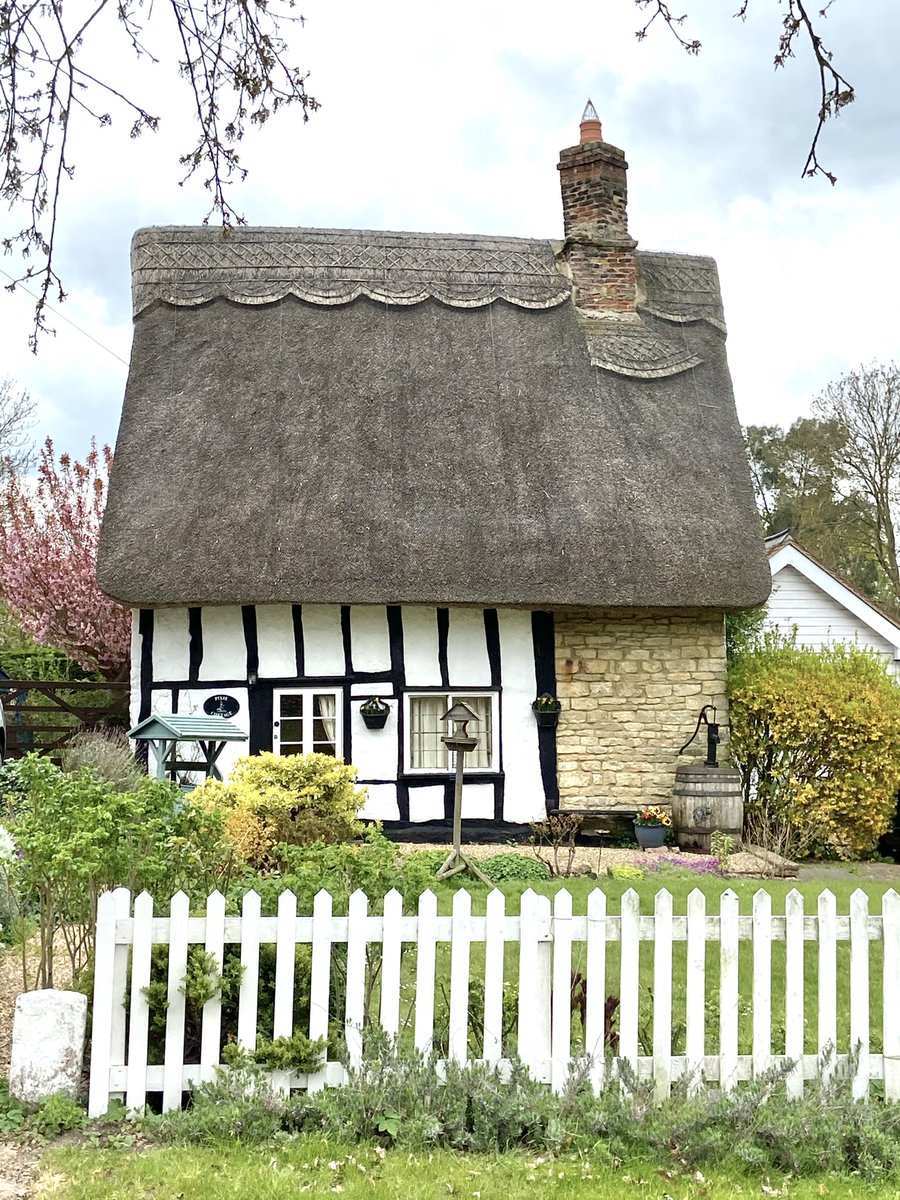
point(308, 721)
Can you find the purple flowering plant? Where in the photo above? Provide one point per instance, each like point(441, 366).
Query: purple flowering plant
point(693, 866)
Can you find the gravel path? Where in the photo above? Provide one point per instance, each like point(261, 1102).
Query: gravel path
point(598, 860)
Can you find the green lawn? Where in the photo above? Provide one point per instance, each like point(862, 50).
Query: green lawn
point(712, 887)
point(313, 1167)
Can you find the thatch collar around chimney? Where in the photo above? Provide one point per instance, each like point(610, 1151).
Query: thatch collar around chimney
point(599, 256)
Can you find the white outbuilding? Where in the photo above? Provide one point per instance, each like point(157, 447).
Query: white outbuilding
point(821, 607)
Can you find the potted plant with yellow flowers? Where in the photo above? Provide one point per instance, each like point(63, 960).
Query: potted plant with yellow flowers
point(651, 826)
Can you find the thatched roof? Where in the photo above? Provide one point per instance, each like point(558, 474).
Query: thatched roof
point(353, 417)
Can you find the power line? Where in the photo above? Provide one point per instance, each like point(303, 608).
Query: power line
point(63, 317)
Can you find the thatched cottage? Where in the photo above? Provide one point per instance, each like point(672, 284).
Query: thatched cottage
point(430, 467)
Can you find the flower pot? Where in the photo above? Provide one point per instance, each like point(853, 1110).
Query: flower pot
point(546, 720)
point(375, 720)
point(650, 837)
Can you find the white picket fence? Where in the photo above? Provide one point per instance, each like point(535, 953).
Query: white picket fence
point(551, 944)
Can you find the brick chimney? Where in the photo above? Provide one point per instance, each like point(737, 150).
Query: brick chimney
point(598, 249)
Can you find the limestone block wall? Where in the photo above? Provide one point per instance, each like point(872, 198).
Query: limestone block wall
point(631, 683)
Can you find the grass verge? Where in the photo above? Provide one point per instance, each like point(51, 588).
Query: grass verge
point(318, 1168)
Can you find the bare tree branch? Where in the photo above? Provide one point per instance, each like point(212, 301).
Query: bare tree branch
point(233, 57)
point(835, 92)
point(660, 10)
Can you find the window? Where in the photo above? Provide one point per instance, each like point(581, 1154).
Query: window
point(424, 720)
point(307, 722)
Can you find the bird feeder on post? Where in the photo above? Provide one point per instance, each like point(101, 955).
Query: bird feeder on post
point(459, 740)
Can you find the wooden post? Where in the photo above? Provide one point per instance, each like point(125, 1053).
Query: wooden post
point(456, 861)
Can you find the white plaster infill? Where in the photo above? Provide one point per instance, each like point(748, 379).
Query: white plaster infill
point(792, 556)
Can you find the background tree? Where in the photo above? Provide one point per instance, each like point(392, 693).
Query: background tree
point(49, 531)
point(865, 405)
point(833, 480)
point(16, 415)
point(231, 53)
point(800, 487)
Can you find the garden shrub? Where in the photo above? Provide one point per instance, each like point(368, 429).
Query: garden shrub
point(203, 980)
point(107, 754)
point(77, 836)
point(501, 868)
point(816, 735)
point(292, 799)
point(429, 860)
point(553, 841)
point(401, 1099)
point(373, 864)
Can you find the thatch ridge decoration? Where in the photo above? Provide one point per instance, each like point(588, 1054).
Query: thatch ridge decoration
point(681, 288)
point(633, 350)
point(186, 267)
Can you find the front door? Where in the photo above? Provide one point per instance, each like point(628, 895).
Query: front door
point(308, 720)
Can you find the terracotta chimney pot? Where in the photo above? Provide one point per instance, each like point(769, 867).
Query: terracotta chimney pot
point(591, 129)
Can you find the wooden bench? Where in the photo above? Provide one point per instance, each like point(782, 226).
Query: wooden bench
point(599, 822)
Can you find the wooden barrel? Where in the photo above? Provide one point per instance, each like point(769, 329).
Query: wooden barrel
point(706, 799)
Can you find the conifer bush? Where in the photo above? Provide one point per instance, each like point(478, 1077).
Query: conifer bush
point(816, 736)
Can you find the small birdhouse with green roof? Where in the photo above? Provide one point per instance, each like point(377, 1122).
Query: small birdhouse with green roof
point(164, 733)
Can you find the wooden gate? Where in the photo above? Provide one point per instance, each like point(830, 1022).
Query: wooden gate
point(43, 715)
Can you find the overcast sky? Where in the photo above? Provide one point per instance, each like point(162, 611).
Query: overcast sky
point(450, 119)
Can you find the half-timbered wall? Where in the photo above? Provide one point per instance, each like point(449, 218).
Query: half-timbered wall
point(184, 656)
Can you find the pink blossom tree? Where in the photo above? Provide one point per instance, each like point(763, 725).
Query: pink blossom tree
point(49, 532)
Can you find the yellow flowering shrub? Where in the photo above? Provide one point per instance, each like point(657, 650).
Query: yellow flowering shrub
point(816, 736)
point(294, 799)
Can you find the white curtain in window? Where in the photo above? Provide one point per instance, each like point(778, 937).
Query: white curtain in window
point(428, 752)
point(325, 705)
point(482, 707)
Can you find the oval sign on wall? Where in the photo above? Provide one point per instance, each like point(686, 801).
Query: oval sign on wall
point(221, 705)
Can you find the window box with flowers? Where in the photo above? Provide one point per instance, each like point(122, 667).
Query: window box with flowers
point(651, 825)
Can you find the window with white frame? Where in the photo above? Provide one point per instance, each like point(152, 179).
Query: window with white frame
point(307, 721)
point(425, 727)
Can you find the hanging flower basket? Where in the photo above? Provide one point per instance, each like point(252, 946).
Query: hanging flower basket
point(374, 713)
point(546, 711)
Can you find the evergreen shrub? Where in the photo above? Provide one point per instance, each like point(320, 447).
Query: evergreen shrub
point(292, 799)
point(816, 736)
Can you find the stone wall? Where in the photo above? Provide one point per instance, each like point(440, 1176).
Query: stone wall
point(632, 683)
